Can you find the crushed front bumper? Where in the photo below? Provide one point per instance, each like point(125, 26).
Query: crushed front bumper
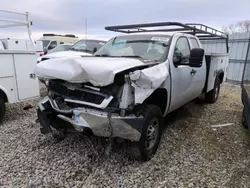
point(100, 123)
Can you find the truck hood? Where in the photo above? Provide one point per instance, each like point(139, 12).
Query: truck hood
point(99, 71)
point(63, 54)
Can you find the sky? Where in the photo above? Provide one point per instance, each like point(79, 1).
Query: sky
point(69, 16)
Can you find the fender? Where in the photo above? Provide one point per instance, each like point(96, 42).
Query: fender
point(159, 98)
point(4, 92)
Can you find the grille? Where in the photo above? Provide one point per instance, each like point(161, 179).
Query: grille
point(76, 94)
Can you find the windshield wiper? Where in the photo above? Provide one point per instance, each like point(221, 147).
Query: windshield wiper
point(136, 56)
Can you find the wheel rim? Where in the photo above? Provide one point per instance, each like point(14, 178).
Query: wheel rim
point(152, 133)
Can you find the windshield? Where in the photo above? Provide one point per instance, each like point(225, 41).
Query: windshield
point(150, 47)
point(45, 43)
point(60, 48)
point(80, 46)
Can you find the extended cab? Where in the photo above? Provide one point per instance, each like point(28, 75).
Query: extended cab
point(131, 83)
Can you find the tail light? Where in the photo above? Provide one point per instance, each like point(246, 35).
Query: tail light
point(41, 54)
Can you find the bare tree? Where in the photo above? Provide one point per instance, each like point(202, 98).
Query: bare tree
point(244, 26)
point(239, 27)
point(225, 29)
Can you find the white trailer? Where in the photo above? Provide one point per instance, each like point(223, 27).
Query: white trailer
point(17, 62)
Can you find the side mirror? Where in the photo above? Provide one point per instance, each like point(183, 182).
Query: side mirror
point(196, 57)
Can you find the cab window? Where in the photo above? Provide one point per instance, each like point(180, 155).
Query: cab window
point(194, 43)
point(182, 51)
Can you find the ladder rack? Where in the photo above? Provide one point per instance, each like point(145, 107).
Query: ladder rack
point(201, 31)
point(15, 23)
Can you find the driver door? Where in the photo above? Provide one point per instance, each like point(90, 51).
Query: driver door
point(182, 78)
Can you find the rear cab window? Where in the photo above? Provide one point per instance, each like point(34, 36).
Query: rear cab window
point(194, 43)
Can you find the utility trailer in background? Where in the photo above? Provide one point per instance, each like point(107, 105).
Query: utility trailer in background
point(245, 94)
point(17, 62)
point(21, 45)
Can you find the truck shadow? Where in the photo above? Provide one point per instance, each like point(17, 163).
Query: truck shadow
point(192, 109)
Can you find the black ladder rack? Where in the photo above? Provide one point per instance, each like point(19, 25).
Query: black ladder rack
point(201, 31)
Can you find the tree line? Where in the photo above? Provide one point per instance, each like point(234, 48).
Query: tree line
point(239, 27)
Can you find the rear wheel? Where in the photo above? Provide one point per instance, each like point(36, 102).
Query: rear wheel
point(151, 133)
point(2, 109)
point(213, 95)
point(244, 120)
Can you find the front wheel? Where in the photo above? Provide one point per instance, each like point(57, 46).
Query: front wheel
point(2, 109)
point(213, 95)
point(151, 133)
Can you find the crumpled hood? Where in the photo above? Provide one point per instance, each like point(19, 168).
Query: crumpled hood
point(67, 53)
point(100, 71)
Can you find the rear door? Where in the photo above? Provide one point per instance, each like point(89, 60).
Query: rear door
point(182, 79)
point(27, 82)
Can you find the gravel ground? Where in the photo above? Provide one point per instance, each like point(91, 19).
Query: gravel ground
point(191, 153)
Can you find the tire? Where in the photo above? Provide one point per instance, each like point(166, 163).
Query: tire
point(213, 95)
point(2, 109)
point(152, 129)
point(244, 120)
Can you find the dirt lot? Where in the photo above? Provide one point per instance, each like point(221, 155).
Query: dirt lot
point(191, 154)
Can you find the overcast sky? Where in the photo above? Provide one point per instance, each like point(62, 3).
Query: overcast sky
point(68, 16)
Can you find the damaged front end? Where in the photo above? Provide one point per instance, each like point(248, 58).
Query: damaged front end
point(113, 110)
point(106, 111)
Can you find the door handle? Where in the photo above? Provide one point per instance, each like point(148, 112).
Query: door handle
point(193, 72)
point(32, 76)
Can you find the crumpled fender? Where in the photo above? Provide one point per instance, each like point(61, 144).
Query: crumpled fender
point(146, 81)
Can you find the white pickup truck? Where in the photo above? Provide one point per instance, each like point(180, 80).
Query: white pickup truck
point(131, 83)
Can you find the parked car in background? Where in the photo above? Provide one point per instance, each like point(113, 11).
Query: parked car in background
point(59, 48)
point(80, 48)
